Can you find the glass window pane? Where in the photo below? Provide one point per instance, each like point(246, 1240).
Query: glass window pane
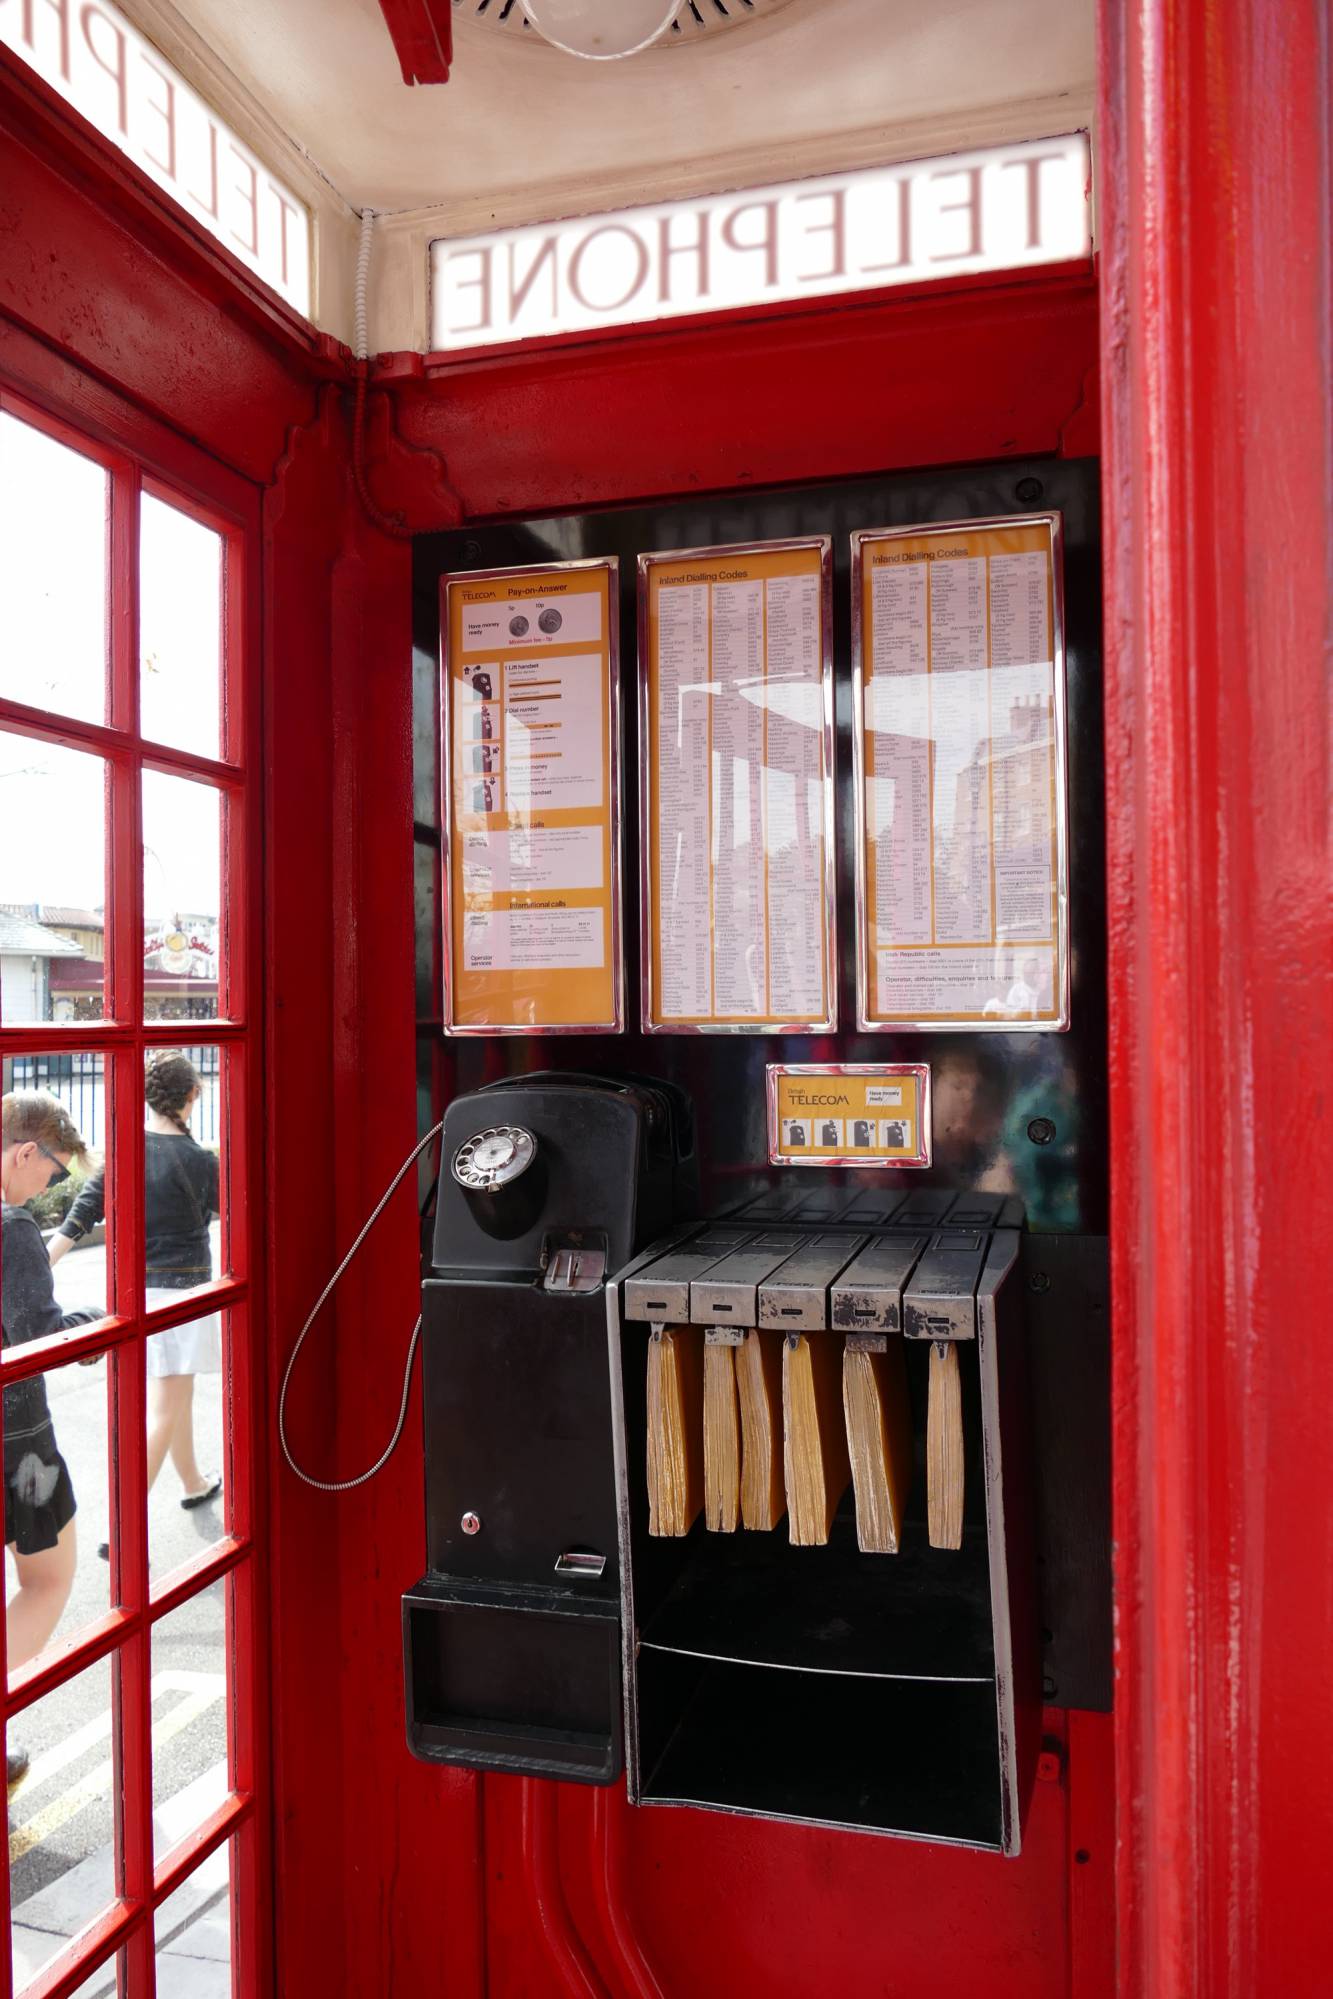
point(57, 1504)
point(62, 1869)
point(187, 1443)
point(189, 1717)
point(52, 881)
point(193, 1933)
point(182, 849)
point(180, 628)
point(53, 574)
point(76, 1078)
point(101, 1984)
point(185, 1171)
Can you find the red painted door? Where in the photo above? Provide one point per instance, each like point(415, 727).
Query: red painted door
point(134, 1696)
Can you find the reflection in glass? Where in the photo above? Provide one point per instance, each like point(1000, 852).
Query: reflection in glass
point(189, 1694)
point(52, 881)
point(181, 898)
point(62, 1869)
point(192, 1930)
point(53, 560)
point(180, 628)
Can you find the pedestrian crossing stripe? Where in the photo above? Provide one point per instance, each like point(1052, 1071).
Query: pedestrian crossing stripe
point(199, 1691)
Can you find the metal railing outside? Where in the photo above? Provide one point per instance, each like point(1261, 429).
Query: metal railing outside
point(76, 1079)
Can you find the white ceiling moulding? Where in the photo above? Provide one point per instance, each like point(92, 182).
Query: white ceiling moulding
point(1007, 207)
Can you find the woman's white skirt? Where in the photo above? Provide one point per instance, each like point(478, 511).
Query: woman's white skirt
point(195, 1348)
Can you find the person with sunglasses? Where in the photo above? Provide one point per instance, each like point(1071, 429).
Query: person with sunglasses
point(37, 1143)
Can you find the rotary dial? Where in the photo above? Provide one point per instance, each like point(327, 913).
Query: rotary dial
point(494, 1157)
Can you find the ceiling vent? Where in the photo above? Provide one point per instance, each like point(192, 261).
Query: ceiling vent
point(695, 17)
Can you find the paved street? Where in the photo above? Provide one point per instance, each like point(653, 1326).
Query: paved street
point(61, 1815)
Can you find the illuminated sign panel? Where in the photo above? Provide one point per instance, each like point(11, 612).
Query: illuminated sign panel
point(88, 52)
point(1006, 208)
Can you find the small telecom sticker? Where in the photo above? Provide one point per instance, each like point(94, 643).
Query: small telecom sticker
point(849, 1114)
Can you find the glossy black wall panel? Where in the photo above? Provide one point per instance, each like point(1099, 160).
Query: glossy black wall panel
point(989, 1088)
point(991, 1091)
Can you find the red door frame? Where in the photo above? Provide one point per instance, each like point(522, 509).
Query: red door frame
point(1217, 219)
point(139, 455)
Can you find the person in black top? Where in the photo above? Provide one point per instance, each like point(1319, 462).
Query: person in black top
point(37, 1143)
point(180, 1200)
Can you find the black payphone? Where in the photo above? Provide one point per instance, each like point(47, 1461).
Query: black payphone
point(549, 1183)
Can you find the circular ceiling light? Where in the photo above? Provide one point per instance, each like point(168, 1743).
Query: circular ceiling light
point(601, 29)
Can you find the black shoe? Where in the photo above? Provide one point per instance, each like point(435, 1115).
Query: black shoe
point(16, 1761)
point(212, 1490)
point(104, 1550)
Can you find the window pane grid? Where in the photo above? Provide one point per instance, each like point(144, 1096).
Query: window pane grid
point(179, 1863)
point(105, 1635)
point(235, 1821)
point(64, 1977)
point(122, 1039)
point(115, 745)
point(92, 1036)
point(116, 1330)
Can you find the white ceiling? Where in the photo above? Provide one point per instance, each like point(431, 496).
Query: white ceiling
point(522, 132)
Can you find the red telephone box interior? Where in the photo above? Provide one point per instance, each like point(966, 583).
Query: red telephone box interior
point(366, 1871)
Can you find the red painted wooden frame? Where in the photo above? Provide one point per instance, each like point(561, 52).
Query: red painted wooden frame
point(1217, 210)
point(138, 457)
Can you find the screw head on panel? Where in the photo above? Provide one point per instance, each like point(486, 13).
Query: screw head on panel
point(471, 1523)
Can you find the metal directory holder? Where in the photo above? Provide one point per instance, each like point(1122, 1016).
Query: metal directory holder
point(889, 1693)
point(532, 810)
point(746, 946)
point(959, 678)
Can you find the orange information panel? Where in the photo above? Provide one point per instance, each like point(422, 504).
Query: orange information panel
point(849, 1114)
point(962, 876)
point(736, 789)
point(530, 760)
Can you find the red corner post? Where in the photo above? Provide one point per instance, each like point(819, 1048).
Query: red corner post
point(1216, 229)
